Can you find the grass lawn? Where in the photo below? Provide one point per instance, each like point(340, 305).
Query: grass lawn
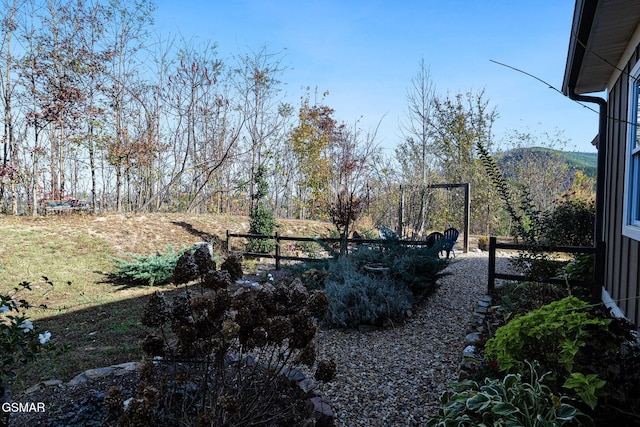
point(95, 322)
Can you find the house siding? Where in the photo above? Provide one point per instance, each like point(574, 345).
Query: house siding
point(622, 277)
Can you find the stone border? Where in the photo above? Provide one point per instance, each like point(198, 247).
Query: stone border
point(317, 406)
point(478, 331)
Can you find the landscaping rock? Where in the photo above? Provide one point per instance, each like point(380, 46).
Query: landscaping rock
point(320, 409)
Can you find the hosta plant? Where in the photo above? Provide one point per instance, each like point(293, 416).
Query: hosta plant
point(510, 401)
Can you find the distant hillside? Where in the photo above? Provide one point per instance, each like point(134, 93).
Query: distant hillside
point(586, 162)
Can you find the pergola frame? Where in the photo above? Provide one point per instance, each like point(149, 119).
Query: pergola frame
point(467, 209)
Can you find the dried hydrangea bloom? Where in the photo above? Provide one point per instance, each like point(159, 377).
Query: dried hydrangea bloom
point(279, 328)
point(249, 300)
point(222, 301)
point(307, 355)
point(244, 318)
point(202, 305)
point(203, 258)
point(204, 314)
point(212, 279)
point(318, 304)
point(304, 330)
point(233, 265)
point(260, 317)
point(243, 298)
point(157, 312)
point(230, 329)
point(325, 371)
point(259, 337)
point(181, 310)
point(153, 346)
point(229, 403)
point(185, 270)
point(114, 401)
point(298, 293)
point(146, 371)
point(187, 336)
point(265, 297)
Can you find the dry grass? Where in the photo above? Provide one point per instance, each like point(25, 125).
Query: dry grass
point(96, 320)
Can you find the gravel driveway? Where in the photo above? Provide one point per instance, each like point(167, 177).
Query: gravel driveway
point(394, 377)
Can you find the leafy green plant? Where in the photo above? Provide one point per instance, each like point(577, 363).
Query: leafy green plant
point(604, 378)
point(519, 298)
point(588, 387)
point(510, 401)
point(148, 270)
point(20, 340)
point(552, 334)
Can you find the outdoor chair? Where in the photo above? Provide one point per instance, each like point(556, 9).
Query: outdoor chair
point(450, 238)
point(433, 238)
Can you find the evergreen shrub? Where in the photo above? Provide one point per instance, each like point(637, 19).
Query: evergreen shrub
point(360, 295)
point(356, 298)
point(262, 219)
point(149, 270)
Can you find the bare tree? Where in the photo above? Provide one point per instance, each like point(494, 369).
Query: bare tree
point(413, 154)
point(126, 30)
point(257, 83)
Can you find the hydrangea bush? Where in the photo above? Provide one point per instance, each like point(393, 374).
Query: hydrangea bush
point(220, 354)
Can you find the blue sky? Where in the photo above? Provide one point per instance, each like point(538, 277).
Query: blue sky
point(366, 52)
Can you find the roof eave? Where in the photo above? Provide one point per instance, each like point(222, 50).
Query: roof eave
point(583, 17)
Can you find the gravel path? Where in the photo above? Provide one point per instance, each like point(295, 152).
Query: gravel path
point(394, 377)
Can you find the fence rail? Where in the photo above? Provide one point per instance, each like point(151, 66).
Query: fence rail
point(278, 239)
point(494, 244)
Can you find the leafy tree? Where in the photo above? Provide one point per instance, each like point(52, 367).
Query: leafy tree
point(312, 140)
point(458, 124)
point(534, 161)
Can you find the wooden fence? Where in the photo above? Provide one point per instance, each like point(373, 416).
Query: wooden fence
point(494, 244)
point(279, 239)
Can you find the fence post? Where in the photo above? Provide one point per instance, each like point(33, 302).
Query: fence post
point(277, 250)
point(492, 265)
point(228, 237)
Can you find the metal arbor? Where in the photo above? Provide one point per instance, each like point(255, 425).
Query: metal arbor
point(466, 216)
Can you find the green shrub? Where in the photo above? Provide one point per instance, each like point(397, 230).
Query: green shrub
point(359, 294)
point(262, 219)
point(552, 334)
point(605, 374)
point(418, 268)
point(521, 297)
point(510, 401)
point(147, 270)
point(356, 298)
point(570, 222)
point(262, 222)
